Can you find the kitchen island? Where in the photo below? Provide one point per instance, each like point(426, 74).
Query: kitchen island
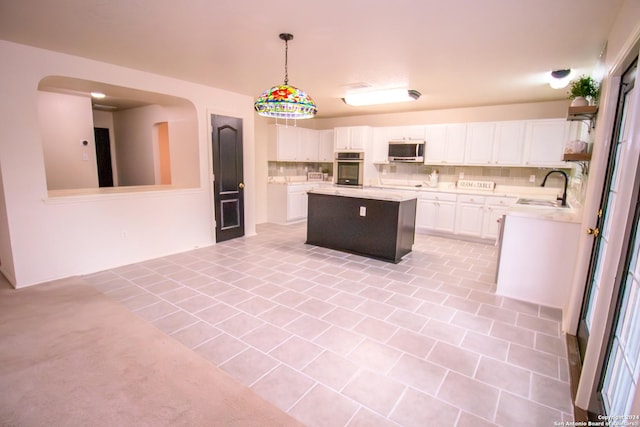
point(377, 224)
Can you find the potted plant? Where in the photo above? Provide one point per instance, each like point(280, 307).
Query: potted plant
point(583, 91)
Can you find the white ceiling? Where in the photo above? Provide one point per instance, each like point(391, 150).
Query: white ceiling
point(455, 52)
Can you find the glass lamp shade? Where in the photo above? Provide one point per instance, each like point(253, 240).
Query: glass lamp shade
point(285, 102)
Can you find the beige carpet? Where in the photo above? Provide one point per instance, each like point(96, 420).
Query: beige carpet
point(70, 356)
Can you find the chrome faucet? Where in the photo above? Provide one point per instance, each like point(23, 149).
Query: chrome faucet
point(566, 181)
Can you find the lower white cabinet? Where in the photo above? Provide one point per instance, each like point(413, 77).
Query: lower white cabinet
point(463, 214)
point(436, 212)
point(479, 216)
point(495, 209)
point(470, 215)
point(287, 203)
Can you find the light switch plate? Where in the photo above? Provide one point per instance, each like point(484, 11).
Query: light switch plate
point(363, 211)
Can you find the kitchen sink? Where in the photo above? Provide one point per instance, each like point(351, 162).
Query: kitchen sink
point(541, 202)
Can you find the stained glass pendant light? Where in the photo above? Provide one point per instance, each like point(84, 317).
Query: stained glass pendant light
point(285, 101)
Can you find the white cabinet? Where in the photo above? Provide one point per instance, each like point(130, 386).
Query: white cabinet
point(436, 212)
point(499, 143)
point(495, 208)
point(508, 145)
point(325, 146)
point(399, 133)
point(470, 215)
point(294, 144)
point(478, 215)
point(445, 144)
point(544, 142)
point(352, 138)
point(282, 143)
point(287, 203)
point(308, 145)
point(479, 144)
point(297, 203)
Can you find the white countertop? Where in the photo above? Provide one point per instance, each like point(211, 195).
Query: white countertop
point(411, 189)
point(570, 214)
point(365, 193)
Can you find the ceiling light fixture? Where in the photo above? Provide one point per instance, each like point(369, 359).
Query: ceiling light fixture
point(560, 78)
point(383, 96)
point(284, 101)
point(97, 95)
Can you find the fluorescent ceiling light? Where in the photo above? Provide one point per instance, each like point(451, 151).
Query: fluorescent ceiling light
point(97, 95)
point(383, 96)
point(560, 78)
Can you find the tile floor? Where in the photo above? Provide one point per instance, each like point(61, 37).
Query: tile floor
point(342, 340)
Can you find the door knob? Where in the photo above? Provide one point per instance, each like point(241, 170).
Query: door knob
point(593, 231)
point(241, 185)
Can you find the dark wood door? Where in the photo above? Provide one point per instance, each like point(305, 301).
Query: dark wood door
point(228, 182)
point(103, 157)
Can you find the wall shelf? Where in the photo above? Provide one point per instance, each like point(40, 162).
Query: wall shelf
point(584, 114)
point(577, 157)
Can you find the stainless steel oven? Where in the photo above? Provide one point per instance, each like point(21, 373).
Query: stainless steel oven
point(349, 168)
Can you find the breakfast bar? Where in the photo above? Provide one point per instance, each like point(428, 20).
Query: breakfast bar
point(371, 223)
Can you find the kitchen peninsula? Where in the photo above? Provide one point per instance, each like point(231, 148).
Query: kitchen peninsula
point(377, 224)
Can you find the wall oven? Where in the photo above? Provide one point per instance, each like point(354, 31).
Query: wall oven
point(349, 168)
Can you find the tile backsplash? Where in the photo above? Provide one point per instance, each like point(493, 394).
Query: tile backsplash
point(501, 175)
point(297, 168)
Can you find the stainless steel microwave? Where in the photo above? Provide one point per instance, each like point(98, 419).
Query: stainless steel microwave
point(410, 150)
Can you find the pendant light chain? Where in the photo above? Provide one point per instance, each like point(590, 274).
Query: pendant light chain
point(286, 61)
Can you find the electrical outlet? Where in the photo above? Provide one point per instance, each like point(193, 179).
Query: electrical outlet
point(532, 178)
point(461, 175)
point(363, 211)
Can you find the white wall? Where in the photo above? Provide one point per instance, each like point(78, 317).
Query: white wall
point(65, 122)
point(64, 236)
point(134, 143)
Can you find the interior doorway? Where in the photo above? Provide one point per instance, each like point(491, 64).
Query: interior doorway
point(164, 153)
point(103, 157)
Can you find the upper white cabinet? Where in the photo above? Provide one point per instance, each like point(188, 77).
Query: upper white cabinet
point(282, 143)
point(499, 143)
point(380, 151)
point(544, 142)
point(308, 145)
point(325, 146)
point(445, 144)
point(508, 144)
point(298, 144)
point(479, 143)
point(399, 133)
point(352, 138)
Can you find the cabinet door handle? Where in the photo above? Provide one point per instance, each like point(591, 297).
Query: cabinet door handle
point(241, 185)
point(594, 231)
